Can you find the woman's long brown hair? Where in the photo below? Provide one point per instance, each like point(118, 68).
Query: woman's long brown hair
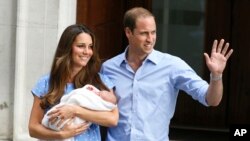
point(62, 67)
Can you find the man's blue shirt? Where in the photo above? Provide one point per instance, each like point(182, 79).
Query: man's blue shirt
point(147, 97)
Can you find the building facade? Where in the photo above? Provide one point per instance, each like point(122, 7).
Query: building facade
point(29, 32)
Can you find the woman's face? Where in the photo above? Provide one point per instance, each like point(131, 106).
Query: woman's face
point(82, 50)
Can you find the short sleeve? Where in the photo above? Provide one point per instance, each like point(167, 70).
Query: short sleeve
point(106, 81)
point(41, 87)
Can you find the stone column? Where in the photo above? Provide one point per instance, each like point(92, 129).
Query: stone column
point(39, 24)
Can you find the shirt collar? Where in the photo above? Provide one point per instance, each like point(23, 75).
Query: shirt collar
point(123, 59)
point(152, 57)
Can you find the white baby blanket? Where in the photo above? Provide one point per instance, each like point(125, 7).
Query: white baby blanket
point(85, 97)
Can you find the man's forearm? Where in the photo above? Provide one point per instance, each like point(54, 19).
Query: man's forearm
point(215, 92)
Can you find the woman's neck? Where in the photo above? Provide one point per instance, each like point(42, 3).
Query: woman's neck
point(73, 74)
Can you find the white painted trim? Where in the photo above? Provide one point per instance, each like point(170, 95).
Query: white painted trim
point(67, 15)
point(19, 89)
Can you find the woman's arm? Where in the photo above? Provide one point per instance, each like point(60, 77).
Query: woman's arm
point(104, 118)
point(37, 130)
point(107, 119)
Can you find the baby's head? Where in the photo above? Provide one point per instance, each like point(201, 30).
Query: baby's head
point(92, 89)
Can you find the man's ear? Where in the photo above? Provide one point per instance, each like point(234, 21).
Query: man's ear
point(127, 31)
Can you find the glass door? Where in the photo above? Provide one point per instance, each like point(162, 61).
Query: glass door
point(180, 29)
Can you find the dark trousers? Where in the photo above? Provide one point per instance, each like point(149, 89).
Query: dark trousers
point(103, 131)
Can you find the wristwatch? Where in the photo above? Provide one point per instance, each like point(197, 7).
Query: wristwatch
point(215, 78)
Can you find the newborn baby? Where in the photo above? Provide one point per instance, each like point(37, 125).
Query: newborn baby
point(85, 97)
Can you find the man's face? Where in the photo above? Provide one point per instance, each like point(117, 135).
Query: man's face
point(142, 39)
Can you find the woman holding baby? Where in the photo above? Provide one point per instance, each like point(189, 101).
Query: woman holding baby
point(75, 64)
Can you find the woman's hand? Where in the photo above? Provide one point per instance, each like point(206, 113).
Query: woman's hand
point(62, 113)
point(37, 130)
point(71, 130)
